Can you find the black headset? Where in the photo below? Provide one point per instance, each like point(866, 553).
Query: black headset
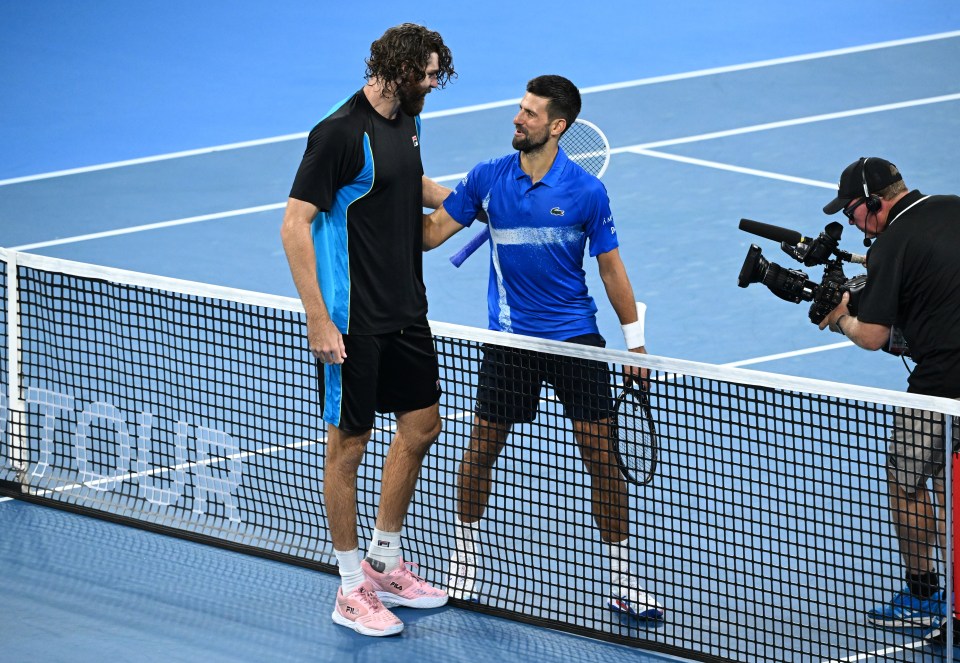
point(872, 202)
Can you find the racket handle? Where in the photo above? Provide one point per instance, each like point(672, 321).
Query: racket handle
point(470, 247)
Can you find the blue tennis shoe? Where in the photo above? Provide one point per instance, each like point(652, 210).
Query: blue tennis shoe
point(907, 611)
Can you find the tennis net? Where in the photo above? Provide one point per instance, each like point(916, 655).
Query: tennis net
point(193, 410)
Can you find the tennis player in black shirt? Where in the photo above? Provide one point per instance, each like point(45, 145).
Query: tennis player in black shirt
point(913, 284)
point(352, 233)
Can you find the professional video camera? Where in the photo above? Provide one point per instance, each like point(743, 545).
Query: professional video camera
point(794, 285)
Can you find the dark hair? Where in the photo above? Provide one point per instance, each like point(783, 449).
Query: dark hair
point(402, 52)
point(562, 95)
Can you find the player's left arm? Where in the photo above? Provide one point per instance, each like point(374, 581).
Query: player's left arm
point(613, 273)
point(602, 235)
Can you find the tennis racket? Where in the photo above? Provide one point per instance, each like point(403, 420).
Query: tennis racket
point(585, 145)
point(635, 435)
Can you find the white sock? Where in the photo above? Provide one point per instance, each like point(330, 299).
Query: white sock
point(351, 575)
point(467, 536)
point(383, 554)
point(619, 556)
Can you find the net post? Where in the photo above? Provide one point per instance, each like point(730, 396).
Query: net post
point(953, 535)
point(15, 407)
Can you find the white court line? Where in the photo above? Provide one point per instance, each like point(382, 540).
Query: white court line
point(149, 226)
point(669, 377)
point(508, 102)
point(158, 157)
point(724, 166)
point(641, 148)
point(775, 62)
point(787, 355)
point(880, 653)
point(800, 120)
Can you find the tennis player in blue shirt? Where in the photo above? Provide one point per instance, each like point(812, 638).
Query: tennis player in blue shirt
point(543, 211)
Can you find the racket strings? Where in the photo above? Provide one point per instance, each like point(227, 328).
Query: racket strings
point(636, 441)
point(586, 146)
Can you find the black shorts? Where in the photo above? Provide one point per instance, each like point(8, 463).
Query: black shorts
point(394, 372)
point(510, 381)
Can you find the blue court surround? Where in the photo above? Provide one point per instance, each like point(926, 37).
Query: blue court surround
point(89, 84)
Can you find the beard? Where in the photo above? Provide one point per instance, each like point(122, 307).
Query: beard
point(530, 143)
point(412, 98)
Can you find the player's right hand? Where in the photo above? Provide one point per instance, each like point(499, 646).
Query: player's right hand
point(326, 342)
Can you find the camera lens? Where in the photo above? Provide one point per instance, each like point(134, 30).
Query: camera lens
point(754, 267)
point(789, 284)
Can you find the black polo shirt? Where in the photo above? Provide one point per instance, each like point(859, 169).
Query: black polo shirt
point(913, 283)
point(364, 172)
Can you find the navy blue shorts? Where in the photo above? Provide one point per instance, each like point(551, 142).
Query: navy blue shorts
point(395, 372)
point(511, 379)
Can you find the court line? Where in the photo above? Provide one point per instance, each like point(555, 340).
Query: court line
point(798, 121)
point(150, 226)
point(700, 73)
point(728, 167)
point(713, 71)
point(641, 148)
point(159, 157)
point(880, 653)
point(788, 355)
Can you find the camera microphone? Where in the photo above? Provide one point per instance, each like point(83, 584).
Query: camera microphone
point(776, 233)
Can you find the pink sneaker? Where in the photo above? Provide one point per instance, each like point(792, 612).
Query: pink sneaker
point(362, 611)
point(401, 587)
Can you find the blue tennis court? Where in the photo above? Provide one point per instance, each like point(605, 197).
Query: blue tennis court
point(164, 140)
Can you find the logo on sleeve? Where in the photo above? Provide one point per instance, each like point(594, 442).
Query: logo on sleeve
point(416, 143)
point(556, 211)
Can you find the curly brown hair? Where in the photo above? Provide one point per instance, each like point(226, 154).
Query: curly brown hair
point(402, 52)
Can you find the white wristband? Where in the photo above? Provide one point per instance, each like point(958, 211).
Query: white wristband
point(633, 333)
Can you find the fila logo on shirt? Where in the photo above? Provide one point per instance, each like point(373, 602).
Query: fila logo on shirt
point(556, 211)
point(416, 143)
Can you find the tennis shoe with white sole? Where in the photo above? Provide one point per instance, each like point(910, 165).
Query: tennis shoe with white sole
point(908, 611)
point(635, 602)
point(462, 578)
point(363, 612)
point(401, 587)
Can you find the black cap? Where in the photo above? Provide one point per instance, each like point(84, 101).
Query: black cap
point(876, 172)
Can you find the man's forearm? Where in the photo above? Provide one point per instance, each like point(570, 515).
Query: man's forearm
point(434, 194)
point(864, 334)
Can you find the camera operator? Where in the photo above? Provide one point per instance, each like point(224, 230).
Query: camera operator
point(913, 284)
